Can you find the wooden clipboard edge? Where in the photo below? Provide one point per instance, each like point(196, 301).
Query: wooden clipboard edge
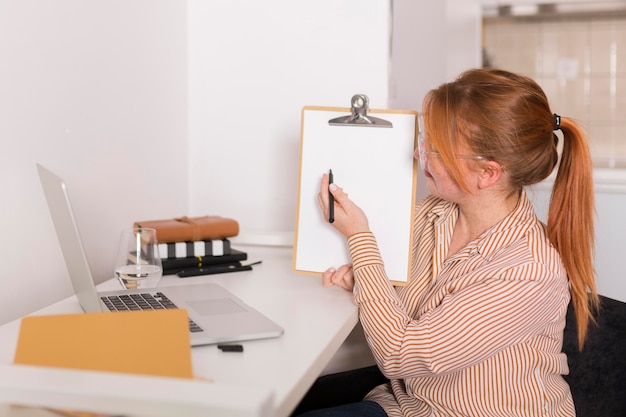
point(306, 272)
point(413, 202)
point(298, 193)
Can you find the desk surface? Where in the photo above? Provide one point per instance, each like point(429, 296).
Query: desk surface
point(316, 321)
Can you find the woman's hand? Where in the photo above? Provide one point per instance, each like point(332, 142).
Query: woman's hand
point(342, 277)
point(349, 218)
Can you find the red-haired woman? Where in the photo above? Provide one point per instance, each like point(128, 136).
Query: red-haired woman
point(478, 330)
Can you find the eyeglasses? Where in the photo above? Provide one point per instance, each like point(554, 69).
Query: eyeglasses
point(424, 154)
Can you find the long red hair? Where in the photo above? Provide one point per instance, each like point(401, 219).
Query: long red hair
point(506, 118)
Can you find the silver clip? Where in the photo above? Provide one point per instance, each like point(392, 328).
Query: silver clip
point(359, 117)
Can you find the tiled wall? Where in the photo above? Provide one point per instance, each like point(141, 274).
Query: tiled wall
point(580, 63)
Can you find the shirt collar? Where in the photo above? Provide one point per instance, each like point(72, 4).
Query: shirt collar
point(512, 227)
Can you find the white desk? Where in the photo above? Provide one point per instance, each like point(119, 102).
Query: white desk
point(316, 321)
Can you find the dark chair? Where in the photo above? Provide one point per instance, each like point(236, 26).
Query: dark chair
point(597, 375)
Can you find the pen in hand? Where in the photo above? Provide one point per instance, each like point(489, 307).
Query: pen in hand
point(331, 199)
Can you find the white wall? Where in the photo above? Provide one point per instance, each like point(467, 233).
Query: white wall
point(90, 89)
point(610, 241)
point(253, 66)
point(433, 42)
point(97, 92)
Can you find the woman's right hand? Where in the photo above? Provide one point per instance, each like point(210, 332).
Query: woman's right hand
point(342, 277)
point(349, 218)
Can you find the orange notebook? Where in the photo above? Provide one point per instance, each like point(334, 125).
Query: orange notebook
point(138, 342)
point(190, 229)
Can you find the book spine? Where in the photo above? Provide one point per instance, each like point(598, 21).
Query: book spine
point(216, 247)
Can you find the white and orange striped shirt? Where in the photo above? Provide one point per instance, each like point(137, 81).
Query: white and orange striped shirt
point(476, 334)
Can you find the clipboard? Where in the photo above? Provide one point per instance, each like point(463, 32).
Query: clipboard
point(371, 158)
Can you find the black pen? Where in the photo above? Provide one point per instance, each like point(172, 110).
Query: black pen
point(331, 199)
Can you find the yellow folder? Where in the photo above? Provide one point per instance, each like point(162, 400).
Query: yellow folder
point(139, 342)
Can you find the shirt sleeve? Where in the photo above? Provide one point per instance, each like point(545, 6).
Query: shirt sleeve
point(465, 328)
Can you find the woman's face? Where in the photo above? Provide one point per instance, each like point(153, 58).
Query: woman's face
point(438, 179)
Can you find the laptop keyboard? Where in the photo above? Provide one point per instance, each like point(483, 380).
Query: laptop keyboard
point(144, 301)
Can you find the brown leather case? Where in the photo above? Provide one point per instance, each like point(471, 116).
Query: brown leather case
point(189, 229)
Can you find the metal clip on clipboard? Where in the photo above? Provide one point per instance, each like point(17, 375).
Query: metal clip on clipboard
point(359, 116)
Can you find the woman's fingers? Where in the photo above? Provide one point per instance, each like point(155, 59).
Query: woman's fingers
point(342, 277)
point(327, 277)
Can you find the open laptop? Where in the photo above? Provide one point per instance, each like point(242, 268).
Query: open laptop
point(215, 315)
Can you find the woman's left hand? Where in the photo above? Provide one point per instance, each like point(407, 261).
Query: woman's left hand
point(342, 277)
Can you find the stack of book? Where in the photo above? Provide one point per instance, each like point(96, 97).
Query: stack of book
point(187, 244)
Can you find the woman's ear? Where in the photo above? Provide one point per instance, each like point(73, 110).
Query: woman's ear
point(489, 174)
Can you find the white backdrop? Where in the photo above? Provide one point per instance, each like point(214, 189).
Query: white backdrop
point(253, 66)
point(97, 92)
point(126, 99)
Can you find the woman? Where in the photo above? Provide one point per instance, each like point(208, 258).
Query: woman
point(479, 328)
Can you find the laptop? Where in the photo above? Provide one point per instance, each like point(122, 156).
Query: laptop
point(215, 314)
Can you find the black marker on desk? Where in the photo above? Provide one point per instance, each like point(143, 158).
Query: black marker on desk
point(216, 269)
point(331, 199)
point(230, 348)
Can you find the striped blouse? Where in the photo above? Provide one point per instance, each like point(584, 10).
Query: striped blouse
point(477, 334)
